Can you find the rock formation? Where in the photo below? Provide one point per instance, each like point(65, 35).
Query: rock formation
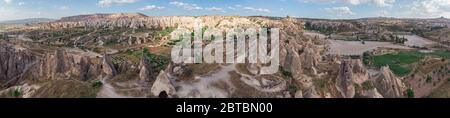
point(163, 84)
point(344, 81)
point(373, 93)
point(83, 68)
point(311, 93)
point(63, 65)
point(145, 72)
point(298, 94)
point(17, 65)
point(127, 20)
point(330, 26)
point(14, 63)
point(108, 66)
point(388, 84)
point(351, 72)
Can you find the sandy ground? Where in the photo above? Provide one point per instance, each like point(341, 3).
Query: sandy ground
point(203, 86)
point(108, 91)
point(219, 85)
point(26, 90)
point(314, 34)
point(414, 40)
point(87, 53)
point(339, 47)
point(21, 37)
point(421, 87)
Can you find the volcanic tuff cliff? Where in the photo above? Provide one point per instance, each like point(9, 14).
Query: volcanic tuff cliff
point(13, 63)
point(330, 26)
point(389, 85)
point(385, 83)
point(300, 57)
point(19, 64)
point(129, 20)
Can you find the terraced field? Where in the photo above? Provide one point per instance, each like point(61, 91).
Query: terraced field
point(401, 63)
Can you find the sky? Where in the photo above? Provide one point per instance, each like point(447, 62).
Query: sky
point(330, 9)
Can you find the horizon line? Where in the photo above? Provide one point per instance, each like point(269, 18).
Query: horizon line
point(315, 18)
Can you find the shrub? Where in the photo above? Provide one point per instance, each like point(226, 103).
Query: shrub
point(15, 93)
point(429, 79)
point(286, 73)
point(97, 84)
point(321, 83)
point(293, 88)
point(159, 62)
point(410, 93)
point(367, 85)
point(166, 31)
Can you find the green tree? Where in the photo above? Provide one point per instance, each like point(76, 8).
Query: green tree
point(429, 79)
point(410, 93)
point(97, 84)
point(15, 93)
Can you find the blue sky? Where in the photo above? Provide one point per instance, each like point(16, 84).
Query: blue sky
point(333, 9)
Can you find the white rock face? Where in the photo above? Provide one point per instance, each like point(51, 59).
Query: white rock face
point(13, 62)
point(145, 69)
point(311, 93)
point(108, 67)
point(388, 84)
point(350, 72)
point(141, 21)
point(373, 93)
point(161, 84)
point(298, 94)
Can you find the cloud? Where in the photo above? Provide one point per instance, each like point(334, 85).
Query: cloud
point(257, 9)
point(339, 11)
point(234, 7)
point(379, 3)
point(186, 6)
point(353, 2)
point(383, 3)
point(63, 8)
point(8, 1)
point(108, 3)
point(151, 7)
point(215, 9)
point(430, 8)
point(189, 6)
point(8, 13)
point(21, 3)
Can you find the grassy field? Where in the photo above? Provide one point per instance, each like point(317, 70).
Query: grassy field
point(401, 63)
point(158, 62)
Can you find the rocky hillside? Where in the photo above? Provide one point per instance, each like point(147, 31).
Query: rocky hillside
point(129, 20)
point(125, 55)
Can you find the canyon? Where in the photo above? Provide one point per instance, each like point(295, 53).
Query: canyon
point(127, 55)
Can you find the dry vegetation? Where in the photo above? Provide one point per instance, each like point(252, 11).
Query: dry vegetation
point(67, 89)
